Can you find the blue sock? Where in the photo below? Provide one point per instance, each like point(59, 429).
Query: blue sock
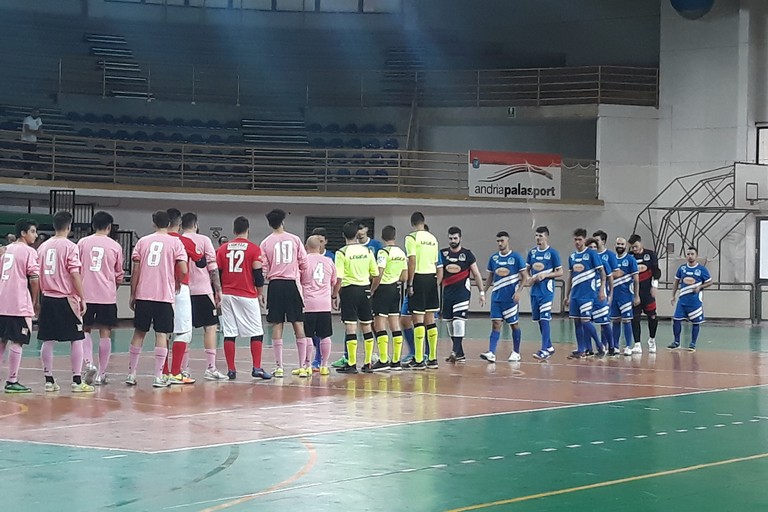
point(616, 335)
point(695, 334)
point(408, 335)
point(590, 333)
point(457, 348)
point(579, 335)
point(546, 338)
point(606, 334)
point(495, 335)
point(628, 334)
point(517, 336)
point(316, 343)
point(677, 327)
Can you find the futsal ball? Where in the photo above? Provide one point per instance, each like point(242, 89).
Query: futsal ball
point(692, 9)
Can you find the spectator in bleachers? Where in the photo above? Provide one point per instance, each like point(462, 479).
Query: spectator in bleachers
point(30, 129)
point(223, 240)
point(10, 238)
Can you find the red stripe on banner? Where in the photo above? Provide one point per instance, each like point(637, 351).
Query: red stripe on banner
point(506, 158)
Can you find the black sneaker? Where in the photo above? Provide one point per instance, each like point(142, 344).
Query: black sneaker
point(692, 348)
point(432, 364)
point(395, 366)
point(367, 368)
point(232, 374)
point(612, 352)
point(673, 346)
point(600, 353)
point(588, 353)
point(575, 355)
point(347, 368)
point(461, 359)
point(413, 365)
point(378, 366)
point(451, 358)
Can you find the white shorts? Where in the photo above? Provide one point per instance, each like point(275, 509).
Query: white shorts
point(182, 313)
point(240, 316)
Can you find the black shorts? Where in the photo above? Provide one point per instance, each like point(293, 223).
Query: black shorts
point(59, 320)
point(455, 303)
point(100, 315)
point(203, 312)
point(284, 303)
point(355, 304)
point(149, 313)
point(425, 297)
point(386, 301)
point(647, 303)
point(318, 324)
point(16, 328)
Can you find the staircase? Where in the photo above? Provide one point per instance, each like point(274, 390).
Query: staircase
point(122, 75)
point(399, 81)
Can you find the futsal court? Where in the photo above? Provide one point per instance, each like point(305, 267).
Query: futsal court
point(674, 431)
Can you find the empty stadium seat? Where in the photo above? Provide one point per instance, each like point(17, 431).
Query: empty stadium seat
point(387, 128)
point(314, 128)
point(369, 128)
point(391, 144)
point(158, 137)
point(234, 139)
point(355, 143)
point(85, 132)
point(90, 117)
point(195, 138)
point(362, 174)
point(373, 143)
point(108, 119)
point(214, 139)
point(333, 128)
point(380, 174)
point(73, 116)
point(343, 174)
point(140, 136)
point(231, 125)
point(318, 142)
point(336, 143)
point(143, 120)
point(125, 119)
point(350, 128)
point(213, 124)
point(159, 121)
point(104, 134)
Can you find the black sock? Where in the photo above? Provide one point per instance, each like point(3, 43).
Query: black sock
point(636, 330)
point(77, 379)
point(653, 325)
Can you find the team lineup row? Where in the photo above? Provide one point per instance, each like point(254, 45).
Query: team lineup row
point(179, 282)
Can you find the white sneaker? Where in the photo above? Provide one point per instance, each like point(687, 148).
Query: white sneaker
point(90, 373)
point(82, 388)
point(130, 379)
point(101, 380)
point(651, 346)
point(51, 387)
point(161, 382)
point(488, 356)
point(627, 351)
point(214, 375)
point(514, 357)
point(637, 348)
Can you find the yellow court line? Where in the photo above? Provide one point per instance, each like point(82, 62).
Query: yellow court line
point(22, 409)
point(609, 483)
point(300, 473)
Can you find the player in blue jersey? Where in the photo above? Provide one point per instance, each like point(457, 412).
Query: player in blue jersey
point(601, 311)
point(581, 291)
point(458, 264)
point(506, 276)
point(694, 278)
point(372, 244)
point(626, 295)
point(543, 265)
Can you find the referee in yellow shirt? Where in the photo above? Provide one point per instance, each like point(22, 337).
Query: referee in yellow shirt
point(356, 272)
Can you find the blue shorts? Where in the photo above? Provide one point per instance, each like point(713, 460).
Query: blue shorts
point(581, 307)
point(622, 308)
point(691, 312)
point(455, 303)
point(541, 307)
point(601, 312)
point(507, 311)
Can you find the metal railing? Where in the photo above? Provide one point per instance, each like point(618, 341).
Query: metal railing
point(240, 168)
point(368, 88)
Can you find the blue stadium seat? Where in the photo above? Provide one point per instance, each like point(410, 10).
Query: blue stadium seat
point(158, 149)
point(73, 116)
point(380, 174)
point(125, 120)
point(122, 135)
point(387, 128)
point(231, 125)
point(355, 143)
point(140, 136)
point(213, 124)
point(195, 138)
point(214, 139)
point(176, 137)
point(158, 137)
point(177, 121)
point(362, 174)
point(195, 123)
point(159, 121)
point(234, 139)
point(343, 174)
point(90, 117)
point(108, 119)
point(358, 159)
point(373, 143)
point(350, 128)
point(144, 120)
point(318, 142)
point(104, 134)
point(391, 144)
point(333, 128)
point(336, 143)
point(369, 128)
point(314, 128)
point(85, 132)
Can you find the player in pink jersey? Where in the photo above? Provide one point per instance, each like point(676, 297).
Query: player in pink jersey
point(159, 266)
point(63, 302)
point(102, 274)
point(20, 290)
point(317, 281)
point(242, 280)
point(285, 259)
point(205, 288)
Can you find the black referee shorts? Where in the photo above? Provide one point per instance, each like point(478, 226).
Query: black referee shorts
point(425, 296)
point(355, 305)
point(386, 301)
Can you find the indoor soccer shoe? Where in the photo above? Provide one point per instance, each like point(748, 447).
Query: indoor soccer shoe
point(691, 348)
point(488, 356)
point(348, 368)
point(651, 346)
point(637, 348)
point(378, 366)
point(176, 380)
point(16, 387)
point(514, 357)
point(627, 351)
point(278, 373)
point(396, 366)
point(413, 365)
point(82, 388)
point(160, 382)
point(101, 380)
point(674, 345)
point(432, 364)
point(297, 371)
point(451, 358)
point(542, 355)
point(214, 374)
point(130, 380)
point(231, 374)
point(305, 372)
point(340, 363)
point(90, 374)
point(51, 387)
point(367, 368)
point(324, 371)
point(258, 373)
point(461, 359)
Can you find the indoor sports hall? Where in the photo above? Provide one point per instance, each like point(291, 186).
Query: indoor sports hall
point(497, 117)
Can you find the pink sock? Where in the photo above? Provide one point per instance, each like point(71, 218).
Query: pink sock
point(76, 357)
point(135, 352)
point(185, 360)
point(2, 349)
point(14, 362)
point(325, 351)
point(210, 358)
point(277, 345)
point(88, 349)
point(105, 350)
point(46, 356)
point(160, 355)
point(301, 345)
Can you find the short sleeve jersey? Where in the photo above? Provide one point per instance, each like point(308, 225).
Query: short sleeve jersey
point(102, 272)
point(543, 261)
point(609, 264)
point(374, 246)
point(423, 246)
point(393, 261)
point(19, 264)
point(690, 278)
point(235, 261)
point(456, 267)
point(194, 254)
point(157, 255)
point(355, 265)
point(584, 267)
point(200, 278)
point(506, 270)
point(59, 259)
point(317, 282)
point(284, 256)
point(627, 267)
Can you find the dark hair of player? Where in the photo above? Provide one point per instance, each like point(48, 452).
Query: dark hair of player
point(542, 229)
point(188, 220)
point(417, 218)
point(388, 233)
point(580, 232)
point(634, 238)
point(454, 230)
point(241, 225)
point(160, 219)
point(589, 241)
point(174, 216)
point(275, 218)
point(101, 221)
point(320, 232)
point(62, 220)
point(350, 230)
point(24, 225)
point(501, 234)
point(692, 248)
point(602, 235)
